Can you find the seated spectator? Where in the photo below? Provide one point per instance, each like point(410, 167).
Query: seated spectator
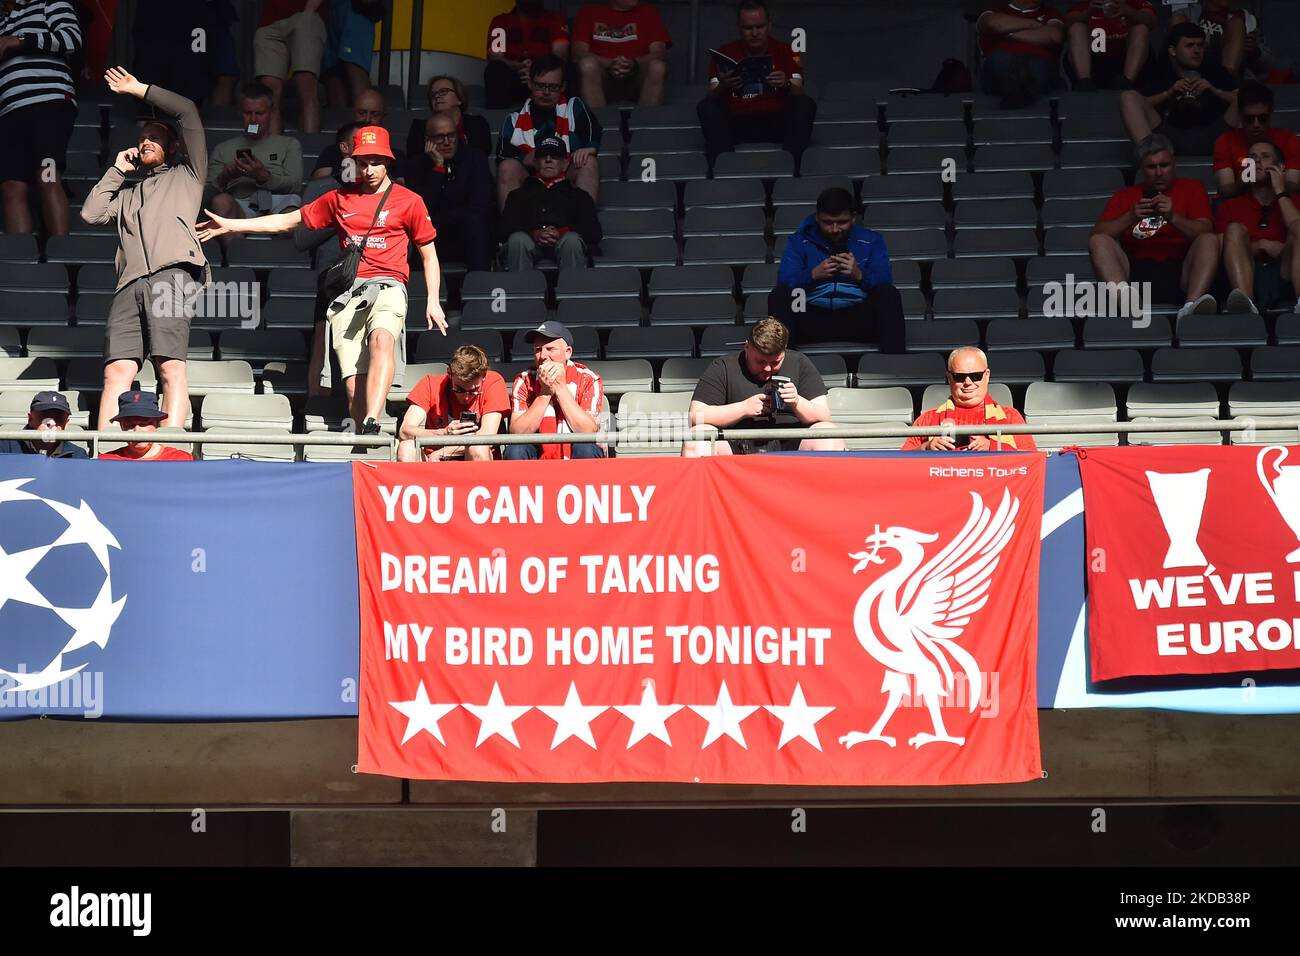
point(1225, 30)
point(369, 110)
point(556, 396)
point(329, 164)
point(969, 404)
point(1255, 104)
point(515, 39)
point(49, 411)
point(455, 183)
point(1260, 231)
point(548, 112)
point(290, 39)
point(138, 413)
point(447, 95)
point(1159, 231)
point(548, 215)
point(770, 109)
point(38, 106)
point(1020, 41)
point(764, 385)
point(349, 48)
point(259, 172)
point(619, 47)
point(467, 400)
point(835, 283)
point(1181, 96)
point(1127, 26)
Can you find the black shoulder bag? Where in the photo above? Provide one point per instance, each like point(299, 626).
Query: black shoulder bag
point(338, 278)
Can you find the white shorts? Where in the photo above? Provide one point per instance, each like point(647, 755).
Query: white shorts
point(279, 203)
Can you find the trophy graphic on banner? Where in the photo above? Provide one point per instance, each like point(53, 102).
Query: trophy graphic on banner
point(1180, 499)
point(1283, 486)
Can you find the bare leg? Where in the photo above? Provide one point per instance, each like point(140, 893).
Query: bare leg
point(1138, 115)
point(510, 176)
point(406, 451)
point(593, 81)
point(223, 90)
point(223, 204)
point(1080, 50)
point(118, 377)
point(306, 84)
point(1135, 56)
point(336, 90)
point(54, 206)
point(1234, 45)
point(379, 376)
point(652, 88)
point(1109, 262)
point(704, 449)
point(176, 391)
point(822, 444)
point(478, 453)
point(276, 85)
point(355, 410)
point(18, 218)
point(1237, 260)
point(1200, 265)
point(358, 80)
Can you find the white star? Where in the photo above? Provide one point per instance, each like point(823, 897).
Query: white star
point(422, 715)
point(85, 528)
point(14, 569)
point(52, 674)
point(798, 719)
point(496, 717)
point(573, 719)
point(724, 717)
point(93, 623)
point(9, 490)
point(648, 717)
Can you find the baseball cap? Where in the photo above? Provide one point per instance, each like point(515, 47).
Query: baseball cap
point(138, 405)
point(50, 402)
point(550, 331)
point(551, 144)
point(372, 141)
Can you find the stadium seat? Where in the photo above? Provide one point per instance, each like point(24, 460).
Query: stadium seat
point(846, 135)
point(43, 277)
point(1275, 363)
point(650, 343)
point(1209, 436)
point(1066, 240)
point(327, 453)
point(586, 344)
point(284, 378)
point(11, 345)
point(55, 342)
point(973, 274)
point(668, 167)
point(502, 314)
point(637, 194)
point(997, 158)
point(210, 378)
point(1086, 155)
point(1011, 130)
point(235, 411)
point(941, 335)
point(986, 242)
point(259, 346)
point(638, 223)
point(29, 309)
point(77, 249)
point(682, 374)
point(645, 253)
point(416, 371)
point(652, 424)
point(803, 192)
point(1097, 184)
point(923, 108)
point(291, 313)
point(435, 347)
point(1094, 128)
point(901, 189)
point(1117, 366)
point(18, 247)
point(980, 304)
point(1237, 331)
point(1261, 403)
point(1087, 103)
point(827, 161)
point(1196, 365)
point(704, 309)
point(217, 451)
point(918, 244)
point(1287, 330)
point(923, 161)
point(722, 340)
point(676, 116)
point(1108, 332)
point(1071, 403)
point(740, 221)
point(274, 253)
point(983, 186)
point(33, 374)
point(951, 133)
point(914, 370)
point(606, 283)
point(996, 214)
point(1009, 335)
point(15, 403)
point(745, 165)
point(659, 142)
point(528, 284)
point(888, 218)
point(691, 280)
point(833, 369)
point(982, 107)
point(599, 312)
point(725, 194)
point(626, 375)
point(759, 277)
point(732, 250)
point(907, 273)
point(1172, 400)
point(871, 406)
point(1071, 211)
point(1042, 269)
point(327, 413)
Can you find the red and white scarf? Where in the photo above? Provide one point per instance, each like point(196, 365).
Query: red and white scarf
point(525, 134)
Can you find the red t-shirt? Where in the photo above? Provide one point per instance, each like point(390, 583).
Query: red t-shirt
point(990, 412)
point(433, 394)
point(1189, 199)
point(584, 384)
point(166, 454)
point(276, 10)
point(988, 42)
point(1232, 147)
point(404, 220)
point(614, 33)
point(1116, 27)
point(1246, 210)
point(784, 60)
point(527, 38)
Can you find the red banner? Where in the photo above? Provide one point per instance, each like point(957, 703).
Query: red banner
point(777, 620)
point(1194, 559)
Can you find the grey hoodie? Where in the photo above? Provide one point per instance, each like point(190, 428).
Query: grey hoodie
point(155, 216)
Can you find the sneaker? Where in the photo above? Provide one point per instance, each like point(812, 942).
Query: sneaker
point(370, 427)
point(1238, 303)
point(1206, 305)
point(1186, 310)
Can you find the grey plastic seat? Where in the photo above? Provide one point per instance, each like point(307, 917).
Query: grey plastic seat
point(996, 214)
point(435, 347)
point(985, 242)
point(803, 192)
point(1085, 155)
point(637, 194)
point(704, 309)
point(1208, 436)
point(586, 344)
point(1118, 366)
point(638, 223)
point(637, 252)
point(213, 377)
point(901, 189)
point(33, 308)
point(502, 314)
point(216, 451)
point(599, 313)
point(736, 250)
point(1072, 403)
point(1009, 335)
point(923, 108)
point(43, 277)
point(79, 249)
point(989, 303)
point(722, 339)
point(1172, 400)
point(258, 346)
point(1066, 240)
point(1287, 330)
point(1238, 331)
point(677, 116)
point(416, 371)
point(60, 342)
point(651, 425)
point(1044, 269)
point(911, 370)
point(953, 274)
point(659, 142)
point(853, 163)
point(871, 406)
point(941, 335)
point(292, 313)
point(1109, 332)
point(738, 221)
point(610, 166)
point(759, 277)
point(1094, 128)
point(221, 412)
point(1008, 185)
point(1012, 130)
point(1097, 184)
point(34, 374)
point(946, 132)
point(724, 194)
point(1275, 363)
point(1071, 211)
point(996, 158)
point(625, 375)
point(914, 304)
point(925, 160)
point(887, 218)
point(1018, 367)
point(907, 273)
point(667, 167)
point(691, 280)
point(918, 244)
point(845, 135)
point(11, 346)
point(275, 253)
point(682, 374)
point(1196, 365)
point(609, 282)
point(527, 284)
point(650, 343)
point(1260, 404)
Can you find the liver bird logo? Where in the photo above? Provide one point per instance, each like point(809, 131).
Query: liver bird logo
point(912, 617)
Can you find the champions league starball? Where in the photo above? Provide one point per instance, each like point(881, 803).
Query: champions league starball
point(56, 592)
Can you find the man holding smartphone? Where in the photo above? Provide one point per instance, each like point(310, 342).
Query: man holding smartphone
point(969, 404)
point(468, 400)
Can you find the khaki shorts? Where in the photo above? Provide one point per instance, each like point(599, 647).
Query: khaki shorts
point(151, 317)
point(350, 327)
point(295, 43)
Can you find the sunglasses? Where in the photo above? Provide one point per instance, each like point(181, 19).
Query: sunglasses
point(443, 137)
point(968, 376)
point(548, 87)
point(444, 92)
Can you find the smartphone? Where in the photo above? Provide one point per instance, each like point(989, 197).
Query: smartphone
point(960, 441)
point(469, 417)
point(244, 154)
point(1149, 192)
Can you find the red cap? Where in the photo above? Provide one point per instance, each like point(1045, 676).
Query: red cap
point(372, 141)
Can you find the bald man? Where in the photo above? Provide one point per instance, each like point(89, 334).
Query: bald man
point(969, 404)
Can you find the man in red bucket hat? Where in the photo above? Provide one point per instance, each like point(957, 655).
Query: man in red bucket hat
point(367, 322)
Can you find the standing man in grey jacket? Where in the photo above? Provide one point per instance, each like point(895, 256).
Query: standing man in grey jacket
point(160, 265)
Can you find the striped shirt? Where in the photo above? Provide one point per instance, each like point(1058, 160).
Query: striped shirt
point(585, 386)
point(38, 72)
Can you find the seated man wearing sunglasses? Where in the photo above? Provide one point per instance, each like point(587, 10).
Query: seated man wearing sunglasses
point(469, 399)
point(969, 404)
point(1260, 232)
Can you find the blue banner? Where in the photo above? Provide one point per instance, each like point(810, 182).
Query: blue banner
point(176, 591)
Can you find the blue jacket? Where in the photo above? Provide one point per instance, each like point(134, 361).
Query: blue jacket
point(808, 247)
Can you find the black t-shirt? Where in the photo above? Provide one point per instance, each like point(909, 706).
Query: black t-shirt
point(727, 380)
point(1185, 113)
